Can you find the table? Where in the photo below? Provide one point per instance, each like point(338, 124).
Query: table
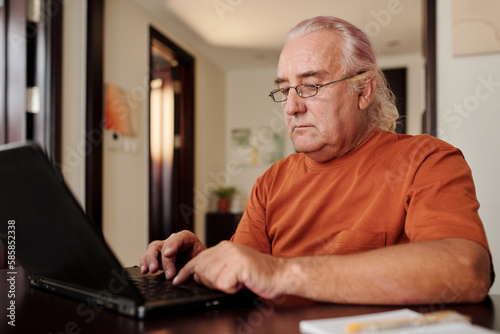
point(38, 311)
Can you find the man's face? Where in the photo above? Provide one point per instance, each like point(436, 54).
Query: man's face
point(331, 123)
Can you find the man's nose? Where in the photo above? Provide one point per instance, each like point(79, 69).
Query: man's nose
point(294, 103)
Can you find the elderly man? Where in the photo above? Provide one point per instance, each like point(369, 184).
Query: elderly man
point(360, 215)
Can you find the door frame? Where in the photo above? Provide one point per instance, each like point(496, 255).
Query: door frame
point(94, 110)
point(161, 222)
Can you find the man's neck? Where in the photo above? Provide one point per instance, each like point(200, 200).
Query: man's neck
point(322, 155)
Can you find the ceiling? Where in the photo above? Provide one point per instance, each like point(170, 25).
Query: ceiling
point(250, 33)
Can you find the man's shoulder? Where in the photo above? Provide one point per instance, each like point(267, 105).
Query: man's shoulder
point(422, 142)
point(396, 150)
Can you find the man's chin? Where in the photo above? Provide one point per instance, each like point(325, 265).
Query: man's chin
point(316, 153)
point(307, 148)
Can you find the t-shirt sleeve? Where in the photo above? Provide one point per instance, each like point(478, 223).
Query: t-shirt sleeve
point(252, 231)
point(441, 200)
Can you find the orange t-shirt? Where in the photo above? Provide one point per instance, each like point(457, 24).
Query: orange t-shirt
point(392, 189)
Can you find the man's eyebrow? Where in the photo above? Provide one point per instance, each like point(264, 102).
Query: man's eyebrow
point(312, 74)
point(279, 80)
point(307, 74)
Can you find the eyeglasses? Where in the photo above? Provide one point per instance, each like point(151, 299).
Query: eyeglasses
point(304, 90)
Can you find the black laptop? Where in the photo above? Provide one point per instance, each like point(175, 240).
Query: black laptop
point(63, 252)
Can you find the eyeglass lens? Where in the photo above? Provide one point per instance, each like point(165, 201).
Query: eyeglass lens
point(305, 90)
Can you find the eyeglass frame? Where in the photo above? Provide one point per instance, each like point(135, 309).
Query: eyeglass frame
point(274, 91)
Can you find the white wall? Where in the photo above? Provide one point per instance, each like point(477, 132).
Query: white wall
point(249, 106)
point(474, 129)
point(210, 140)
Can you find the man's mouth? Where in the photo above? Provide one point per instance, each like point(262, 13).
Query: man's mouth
point(301, 127)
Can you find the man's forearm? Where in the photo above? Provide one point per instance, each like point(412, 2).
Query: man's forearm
point(448, 271)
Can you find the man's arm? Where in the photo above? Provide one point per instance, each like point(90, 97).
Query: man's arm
point(448, 271)
point(439, 271)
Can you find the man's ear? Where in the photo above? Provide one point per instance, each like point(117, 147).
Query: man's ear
point(367, 94)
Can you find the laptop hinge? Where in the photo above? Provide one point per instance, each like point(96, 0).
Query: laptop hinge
point(92, 298)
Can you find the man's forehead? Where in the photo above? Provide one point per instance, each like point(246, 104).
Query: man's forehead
point(306, 66)
point(309, 55)
point(319, 73)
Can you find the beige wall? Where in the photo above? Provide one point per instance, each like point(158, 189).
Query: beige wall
point(468, 117)
point(73, 97)
point(249, 106)
point(125, 174)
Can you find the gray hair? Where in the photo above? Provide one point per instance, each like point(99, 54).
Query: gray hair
point(356, 56)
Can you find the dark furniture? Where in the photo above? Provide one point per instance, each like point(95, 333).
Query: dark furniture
point(38, 311)
point(220, 226)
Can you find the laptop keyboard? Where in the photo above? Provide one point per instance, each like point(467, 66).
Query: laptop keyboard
point(159, 288)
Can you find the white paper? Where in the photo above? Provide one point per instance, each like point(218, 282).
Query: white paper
point(338, 325)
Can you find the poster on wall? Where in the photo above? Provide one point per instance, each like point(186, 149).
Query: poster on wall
point(119, 111)
point(256, 146)
point(476, 27)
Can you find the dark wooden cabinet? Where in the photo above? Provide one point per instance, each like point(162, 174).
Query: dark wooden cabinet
point(220, 226)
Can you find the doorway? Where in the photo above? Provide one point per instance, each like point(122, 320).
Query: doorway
point(30, 76)
point(171, 138)
point(396, 79)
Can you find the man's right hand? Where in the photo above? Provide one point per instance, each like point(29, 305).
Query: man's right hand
point(169, 249)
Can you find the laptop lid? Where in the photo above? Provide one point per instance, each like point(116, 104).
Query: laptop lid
point(53, 237)
point(61, 250)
